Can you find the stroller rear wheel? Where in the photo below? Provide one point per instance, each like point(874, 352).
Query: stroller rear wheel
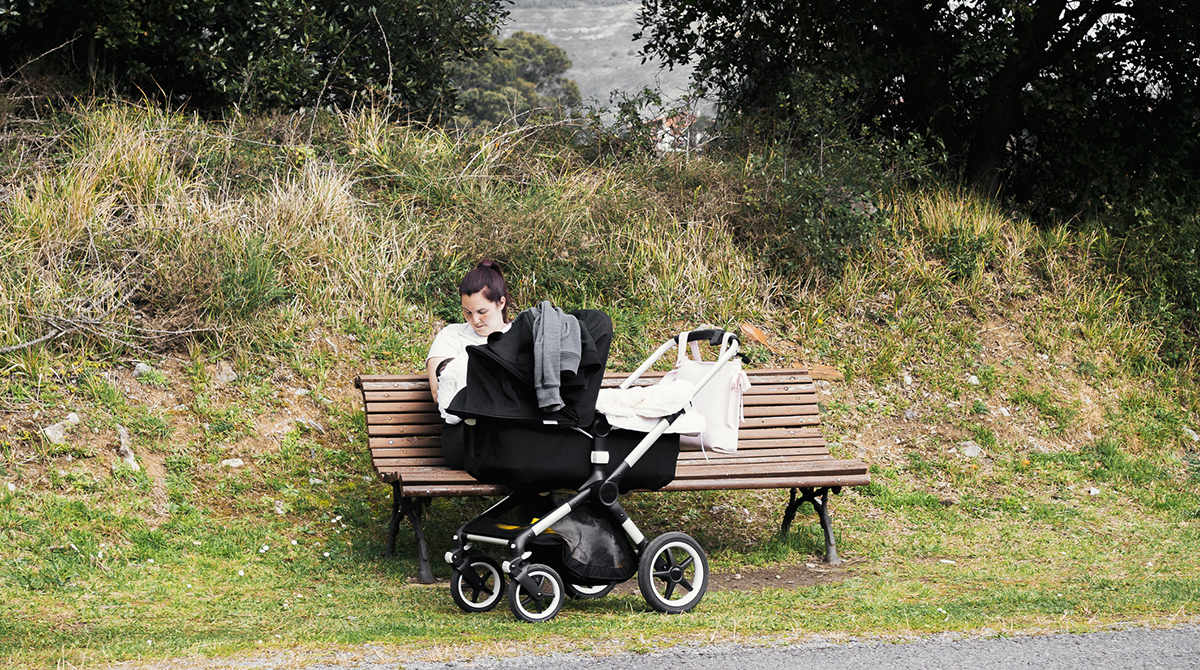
point(537, 607)
point(673, 573)
point(581, 592)
point(479, 586)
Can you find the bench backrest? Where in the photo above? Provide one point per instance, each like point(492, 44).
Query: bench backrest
point(404, 429)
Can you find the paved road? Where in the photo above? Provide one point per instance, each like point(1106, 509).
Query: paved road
point(1174, 649)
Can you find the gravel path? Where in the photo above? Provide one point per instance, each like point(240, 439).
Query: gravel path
point(1132, 649)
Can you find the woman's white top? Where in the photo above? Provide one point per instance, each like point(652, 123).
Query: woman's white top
point(452, 342)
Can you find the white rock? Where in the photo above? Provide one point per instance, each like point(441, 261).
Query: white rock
point(12, 488)
point(232, 463)
point(125, 449)
point(1093, 491)
point(141, 370)
point(314, 481)
point(279, 508)
point(908, 380)
point(973, 380)
point(300, 392)
point(909, 415)
point(73, 418)
point(1192, 434)
point(56, 434)
point(971, 449)
point(225, 373)
point(1003, 411)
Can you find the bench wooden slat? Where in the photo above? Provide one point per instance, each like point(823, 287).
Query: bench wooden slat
point(400, 407)
point(779, 410)
point(402, 464)
point(767, 483)
point(405, 452)
point(427, 429)
point(402, 419)
point(427, 441)
point(395, 383)
point(779, 468)
point(763, 433)
point(789, 399)
point(778, 421)
point(452, 490)
point(398, 396)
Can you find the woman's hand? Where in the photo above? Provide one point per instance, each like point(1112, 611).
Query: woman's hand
point(431, 367)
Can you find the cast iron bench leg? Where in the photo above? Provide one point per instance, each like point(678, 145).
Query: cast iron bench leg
point(411, 509)
point(819, 497)
point(394, 522)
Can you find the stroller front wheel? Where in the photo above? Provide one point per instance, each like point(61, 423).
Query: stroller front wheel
point(673, 573)
point(479, 586)
point(541, 606)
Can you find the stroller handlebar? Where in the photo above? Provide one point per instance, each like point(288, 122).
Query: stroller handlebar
point(713, 336)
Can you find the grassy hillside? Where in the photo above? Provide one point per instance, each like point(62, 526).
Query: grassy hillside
point(296, 252)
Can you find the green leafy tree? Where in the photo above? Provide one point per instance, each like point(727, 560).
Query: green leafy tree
point(257, 53)
point(1107, 88)
point(523, 73)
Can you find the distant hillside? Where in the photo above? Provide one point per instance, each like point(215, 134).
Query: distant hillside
point(598, 36)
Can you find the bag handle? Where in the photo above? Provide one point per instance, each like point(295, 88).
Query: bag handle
point(713, 336)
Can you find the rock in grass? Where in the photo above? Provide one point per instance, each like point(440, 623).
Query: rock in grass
point(56, 434)
point(225, 373)
point(125, 449)
point(971, 449)
point(232, 463)
point(141, 370)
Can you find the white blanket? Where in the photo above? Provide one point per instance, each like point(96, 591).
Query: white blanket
point(450, 382)
point(640, 407)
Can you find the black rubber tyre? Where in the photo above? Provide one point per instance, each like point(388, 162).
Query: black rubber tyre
point(536, 610)
point(580, 592)
point(481, 589)
point(673, 573)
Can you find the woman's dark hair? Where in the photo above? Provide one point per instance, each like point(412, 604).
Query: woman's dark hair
point(486, 277)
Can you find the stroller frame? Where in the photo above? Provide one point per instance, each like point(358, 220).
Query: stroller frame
point(536, 591)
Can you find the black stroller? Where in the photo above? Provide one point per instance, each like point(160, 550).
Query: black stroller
point(562, 526)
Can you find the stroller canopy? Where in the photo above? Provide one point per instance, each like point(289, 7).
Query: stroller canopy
point(500, 375)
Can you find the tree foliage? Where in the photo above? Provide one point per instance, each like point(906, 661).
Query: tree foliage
point(1065, 102)
point(257, 53)
point(522, 73)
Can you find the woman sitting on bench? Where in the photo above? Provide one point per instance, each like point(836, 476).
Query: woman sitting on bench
point(485, 311)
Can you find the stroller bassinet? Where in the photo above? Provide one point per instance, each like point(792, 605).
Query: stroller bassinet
point(577, 542)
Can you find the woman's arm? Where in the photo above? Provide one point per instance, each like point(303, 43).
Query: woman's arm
point(431, 367)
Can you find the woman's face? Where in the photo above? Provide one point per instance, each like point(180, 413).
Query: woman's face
point(485, 316)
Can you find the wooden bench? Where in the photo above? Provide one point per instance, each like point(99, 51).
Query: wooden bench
point(779, 447)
